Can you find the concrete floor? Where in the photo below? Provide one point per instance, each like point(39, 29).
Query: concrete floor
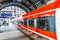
point(12, 33)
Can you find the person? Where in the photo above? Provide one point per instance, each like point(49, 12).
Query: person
point(7, 22)
point(4, 22)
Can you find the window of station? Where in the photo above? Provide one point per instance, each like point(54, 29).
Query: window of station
point(31, 22)
point(11, 12)
point(17, 0)
point(43, 2)
point(34, 1)
point(26, 3)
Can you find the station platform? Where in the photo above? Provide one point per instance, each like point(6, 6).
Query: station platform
point(12, 32)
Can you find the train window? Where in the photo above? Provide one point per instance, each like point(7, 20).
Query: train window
point(25, 22)
point(31, 22)
point(17, 22)
point(42, 23)
point(46, 23)
point(35, 1)
point(38, 22)
point(20, 22)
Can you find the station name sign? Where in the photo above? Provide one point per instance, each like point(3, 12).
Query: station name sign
point(4, 15)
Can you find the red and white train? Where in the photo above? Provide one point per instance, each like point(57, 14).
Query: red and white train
point(43, 21)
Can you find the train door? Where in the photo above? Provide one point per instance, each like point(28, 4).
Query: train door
point(51, 23)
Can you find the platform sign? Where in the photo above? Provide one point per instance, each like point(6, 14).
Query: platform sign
point(5, 15)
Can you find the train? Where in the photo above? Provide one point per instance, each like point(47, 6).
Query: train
point(44, 25)
point(41, 21)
